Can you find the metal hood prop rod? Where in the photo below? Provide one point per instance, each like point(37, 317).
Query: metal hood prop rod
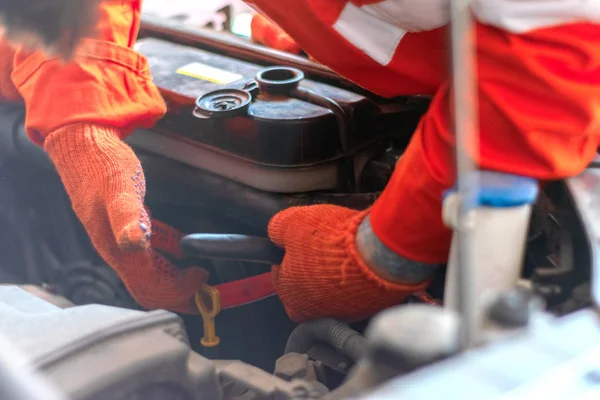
point(464, 112)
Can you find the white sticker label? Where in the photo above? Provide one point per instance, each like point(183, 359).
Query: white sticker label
point(207, 73)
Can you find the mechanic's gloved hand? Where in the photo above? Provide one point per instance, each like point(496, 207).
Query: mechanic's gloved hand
point(322, 274)
point(106, 185)
point(166, 239)
point(271, 35)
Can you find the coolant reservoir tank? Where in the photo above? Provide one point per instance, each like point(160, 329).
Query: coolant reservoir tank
point(267, 127)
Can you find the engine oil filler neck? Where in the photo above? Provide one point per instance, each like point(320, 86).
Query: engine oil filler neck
point(279, 80)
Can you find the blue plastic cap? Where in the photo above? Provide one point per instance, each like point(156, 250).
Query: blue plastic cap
point(500, 190)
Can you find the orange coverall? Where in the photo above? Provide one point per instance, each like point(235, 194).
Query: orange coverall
point(539, 107)
point(79, 112)
point(539, 96)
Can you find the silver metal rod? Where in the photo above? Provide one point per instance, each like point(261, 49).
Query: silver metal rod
point(464, 110)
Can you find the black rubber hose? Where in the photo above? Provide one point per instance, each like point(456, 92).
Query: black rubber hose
point(343, 129)
point(232, 247)
point(337, 334)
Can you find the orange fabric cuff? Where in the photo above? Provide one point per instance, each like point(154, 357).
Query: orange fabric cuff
point(107, 83)
point(8, 91)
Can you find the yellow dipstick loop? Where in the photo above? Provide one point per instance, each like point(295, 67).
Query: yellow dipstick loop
point(208, 313)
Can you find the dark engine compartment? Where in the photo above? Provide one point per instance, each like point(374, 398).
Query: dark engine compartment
point(257, 141)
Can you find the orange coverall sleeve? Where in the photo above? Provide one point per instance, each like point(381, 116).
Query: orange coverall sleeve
point(539, 90)
point(417, 66)
point(107, 83)
point(538, 109)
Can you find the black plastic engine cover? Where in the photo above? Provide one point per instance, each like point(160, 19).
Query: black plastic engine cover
point(276, 130)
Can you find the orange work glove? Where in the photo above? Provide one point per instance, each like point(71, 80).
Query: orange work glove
point(105, 182)
point(166, 239)
point(322, 274)
point(80, 111)
point(271, 35)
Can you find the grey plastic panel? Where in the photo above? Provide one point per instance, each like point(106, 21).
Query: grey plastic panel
point(559, 359)
point(99, 352)
point(36, 327)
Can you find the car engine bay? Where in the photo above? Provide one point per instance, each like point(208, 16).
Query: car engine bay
point(249, 132)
